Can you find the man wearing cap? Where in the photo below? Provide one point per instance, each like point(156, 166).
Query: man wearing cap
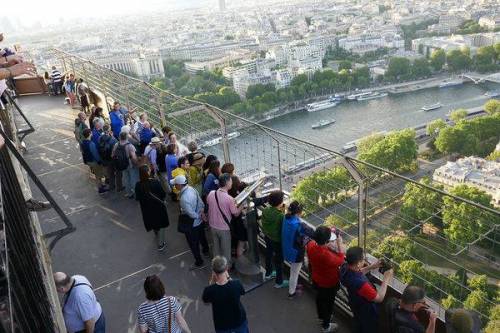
point(326, 255)
point(151, 153)
point(192, 205)
point(413, 301)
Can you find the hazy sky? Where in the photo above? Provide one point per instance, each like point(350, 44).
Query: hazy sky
point(31, 11)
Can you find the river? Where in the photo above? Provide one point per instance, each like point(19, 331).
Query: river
point(355, 119)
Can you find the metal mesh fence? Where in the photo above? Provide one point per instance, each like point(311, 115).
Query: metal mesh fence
point(441, 241)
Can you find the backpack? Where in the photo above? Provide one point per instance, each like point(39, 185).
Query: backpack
point(120, 159)
point(161, 152)
point(106, 148)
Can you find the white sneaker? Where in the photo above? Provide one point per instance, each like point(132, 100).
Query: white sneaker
point(331, 328)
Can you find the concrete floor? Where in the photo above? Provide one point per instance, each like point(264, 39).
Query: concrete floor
point(111, 247)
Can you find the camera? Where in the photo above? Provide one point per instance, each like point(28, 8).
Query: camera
point(384, 266)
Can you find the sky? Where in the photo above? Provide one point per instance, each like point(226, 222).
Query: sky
point(31, 11)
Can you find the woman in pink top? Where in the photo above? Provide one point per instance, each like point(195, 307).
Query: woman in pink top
point(221, 209)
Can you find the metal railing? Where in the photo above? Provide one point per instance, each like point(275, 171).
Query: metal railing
point(366, 201)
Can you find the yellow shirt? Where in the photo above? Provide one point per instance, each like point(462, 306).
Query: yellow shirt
point(178, 172)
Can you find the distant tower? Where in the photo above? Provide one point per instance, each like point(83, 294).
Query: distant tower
point(222, 5)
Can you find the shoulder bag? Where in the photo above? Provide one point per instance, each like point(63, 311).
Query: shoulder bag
point(221, 212)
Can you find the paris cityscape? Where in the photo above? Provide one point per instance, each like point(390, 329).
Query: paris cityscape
point(366, 134)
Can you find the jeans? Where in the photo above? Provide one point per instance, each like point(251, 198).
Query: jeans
point(222, 244)
point(274, 253)
point(294, 276)
point(325, 299)
point(243, 328)
point(130, 177)
point(195, 238)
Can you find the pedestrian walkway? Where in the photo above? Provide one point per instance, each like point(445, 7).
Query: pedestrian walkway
point(111, 247)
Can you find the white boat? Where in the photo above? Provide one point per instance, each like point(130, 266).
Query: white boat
point(493, 93)
point(372, 96)
point(354, 97)
point(216, 141)
point(318, 106)
point(451, 83)
point(432, 107)
point(323, 123)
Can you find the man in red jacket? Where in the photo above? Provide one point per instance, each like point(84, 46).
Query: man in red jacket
point(326, 255)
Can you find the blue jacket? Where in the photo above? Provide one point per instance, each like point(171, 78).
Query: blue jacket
point(146, 135)
point(89, 152)
point(171, 164)
point(293, 232)
point(96, 134)
point(116, 122)
point(211, 183)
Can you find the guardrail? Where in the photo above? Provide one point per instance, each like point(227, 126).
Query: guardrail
point(372, 205)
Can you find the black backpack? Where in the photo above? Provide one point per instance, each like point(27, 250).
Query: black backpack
point(161, 152)
point(121, 160)
point(106, 147)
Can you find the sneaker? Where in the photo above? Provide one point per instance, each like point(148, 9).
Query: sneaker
point(36, 205)
point(162, 247)
point(271, 276)
point(284, 284)
point(292, 296)
point(331, 328)
point(206, 254)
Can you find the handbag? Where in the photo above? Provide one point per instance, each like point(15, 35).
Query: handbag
point(185, 222)
point(169, 327)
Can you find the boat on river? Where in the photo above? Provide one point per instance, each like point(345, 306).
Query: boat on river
point(216, 141)
point(451, 83)
point(354, 97)
point(318, 106)
point(372, 96)
point(492, 93)
point(323, 123)
point(432, 107)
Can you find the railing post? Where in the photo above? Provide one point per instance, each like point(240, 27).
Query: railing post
point(222, 122)
point(359, 177)
point(279, 165)
point(159, 102)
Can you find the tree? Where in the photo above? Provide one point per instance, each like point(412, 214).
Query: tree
point(458, 115)
point(492, 106)
point(477, 300)
point(479, 282)
point(464, 222)
point(438, 59)
point(494, 323)
point(397, 151)
point(435, 126)
point(450, 302)
point(421, 204)
point(494, 156)
point(399, 68)
point(396, 248)
point(458, 60)
point(420, 68)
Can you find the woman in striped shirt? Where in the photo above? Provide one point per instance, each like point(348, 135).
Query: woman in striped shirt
point(160, 313)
